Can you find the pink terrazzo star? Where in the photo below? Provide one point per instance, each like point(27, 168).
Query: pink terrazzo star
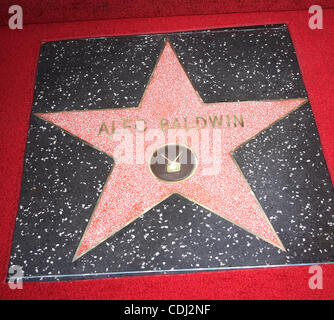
point(131, 189)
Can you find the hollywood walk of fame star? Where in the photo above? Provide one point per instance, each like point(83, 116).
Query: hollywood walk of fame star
point(133, 188)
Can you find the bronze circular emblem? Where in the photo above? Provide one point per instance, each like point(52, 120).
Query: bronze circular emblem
point(173, 163)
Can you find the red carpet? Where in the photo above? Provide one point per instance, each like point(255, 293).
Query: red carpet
point(46, 11)
point(19, 51)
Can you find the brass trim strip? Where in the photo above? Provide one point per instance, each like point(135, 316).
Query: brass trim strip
point(39, 115)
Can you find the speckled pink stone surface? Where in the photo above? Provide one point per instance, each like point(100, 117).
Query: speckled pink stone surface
point(131, 189)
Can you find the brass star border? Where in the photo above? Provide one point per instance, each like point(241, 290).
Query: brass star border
point(166, 42)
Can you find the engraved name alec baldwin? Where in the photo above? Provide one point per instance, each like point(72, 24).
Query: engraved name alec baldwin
point(198, 123)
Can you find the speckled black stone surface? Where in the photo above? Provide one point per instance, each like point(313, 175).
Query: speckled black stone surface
point(94, 73)
point(286, 170)
point(63, 177)
point(224, 65)
point(241, 64)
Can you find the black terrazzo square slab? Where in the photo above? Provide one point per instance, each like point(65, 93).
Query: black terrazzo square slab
point(64, 177)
